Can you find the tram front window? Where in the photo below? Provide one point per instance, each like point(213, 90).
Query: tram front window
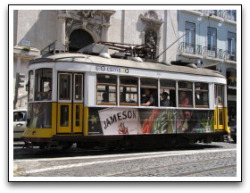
point(43, 84)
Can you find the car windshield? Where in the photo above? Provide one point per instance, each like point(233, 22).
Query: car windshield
point(19, 116)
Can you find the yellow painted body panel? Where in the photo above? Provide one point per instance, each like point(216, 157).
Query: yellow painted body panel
point(86, 121)
point(220, 119)
point(64, 126)
point(77, 123)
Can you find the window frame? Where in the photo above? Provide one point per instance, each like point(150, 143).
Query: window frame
point(39, 85)
point(31, 85)
point(121, 85)
point(211, 45)
point(170, 89)
point(201, 91)
point(69, 90)
point(107, 84)
point(150, 87)
point(231, 43)
point(191, 99)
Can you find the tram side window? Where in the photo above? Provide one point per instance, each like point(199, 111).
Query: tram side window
point(43, 84)
point(168, 93)
point(128, 91)
point(149, 92)
point(219, 95)
point(106, 89)
point(201, 95)
point(185, 94)
point(31, 86)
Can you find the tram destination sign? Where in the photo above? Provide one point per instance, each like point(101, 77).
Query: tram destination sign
point(112, 69)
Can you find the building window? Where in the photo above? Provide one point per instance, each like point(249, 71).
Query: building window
point(201, 95)
point(212, 38)
point(231, 45)
point(211, 42)
point(190, 37)
point(231, 15)
point(128, 90)
point(106, 89)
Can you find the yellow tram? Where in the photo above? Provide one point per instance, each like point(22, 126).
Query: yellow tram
point(98, 100)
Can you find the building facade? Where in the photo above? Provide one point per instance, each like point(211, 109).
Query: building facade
point(208, 38)
point(204, 37)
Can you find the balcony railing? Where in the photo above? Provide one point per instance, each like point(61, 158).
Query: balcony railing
point(190, 48)
point(213, 52)
point(206, 52)
point(231, 56)
point(220, 13)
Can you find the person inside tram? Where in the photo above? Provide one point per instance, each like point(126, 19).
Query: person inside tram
point(105, 97)
point(147, 99)
point(183, 100)
point(165, 101)
point(49, 92)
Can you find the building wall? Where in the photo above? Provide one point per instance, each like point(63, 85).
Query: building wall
point(36, 26)
point(202, 22)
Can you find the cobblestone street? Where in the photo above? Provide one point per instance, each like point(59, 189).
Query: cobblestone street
point(219, 160)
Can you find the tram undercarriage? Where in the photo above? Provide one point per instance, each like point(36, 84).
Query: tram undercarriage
point(132, 142)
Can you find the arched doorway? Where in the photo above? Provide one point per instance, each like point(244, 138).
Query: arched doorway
point(78, 39)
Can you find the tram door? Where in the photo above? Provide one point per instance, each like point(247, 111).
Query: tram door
point(220, 111)
point(70, 103)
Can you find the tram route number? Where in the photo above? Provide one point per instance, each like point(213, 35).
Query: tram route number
point(112, 69)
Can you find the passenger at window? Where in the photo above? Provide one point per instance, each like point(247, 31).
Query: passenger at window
point(183, 100)
point(49, 92)
point(105, 97)
point(147, 99)
point(165, 101)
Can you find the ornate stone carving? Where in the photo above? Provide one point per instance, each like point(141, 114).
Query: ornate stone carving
point(150, 19)
point(152, 25)
point(94, 21)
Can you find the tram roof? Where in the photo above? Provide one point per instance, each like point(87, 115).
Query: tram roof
point(126, 63)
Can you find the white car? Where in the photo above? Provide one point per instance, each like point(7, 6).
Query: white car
point(19, 124)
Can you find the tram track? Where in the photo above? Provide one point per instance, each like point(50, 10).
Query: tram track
point(150, 171)
point(150, 164)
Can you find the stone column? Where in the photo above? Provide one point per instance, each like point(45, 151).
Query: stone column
point(61, 23)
